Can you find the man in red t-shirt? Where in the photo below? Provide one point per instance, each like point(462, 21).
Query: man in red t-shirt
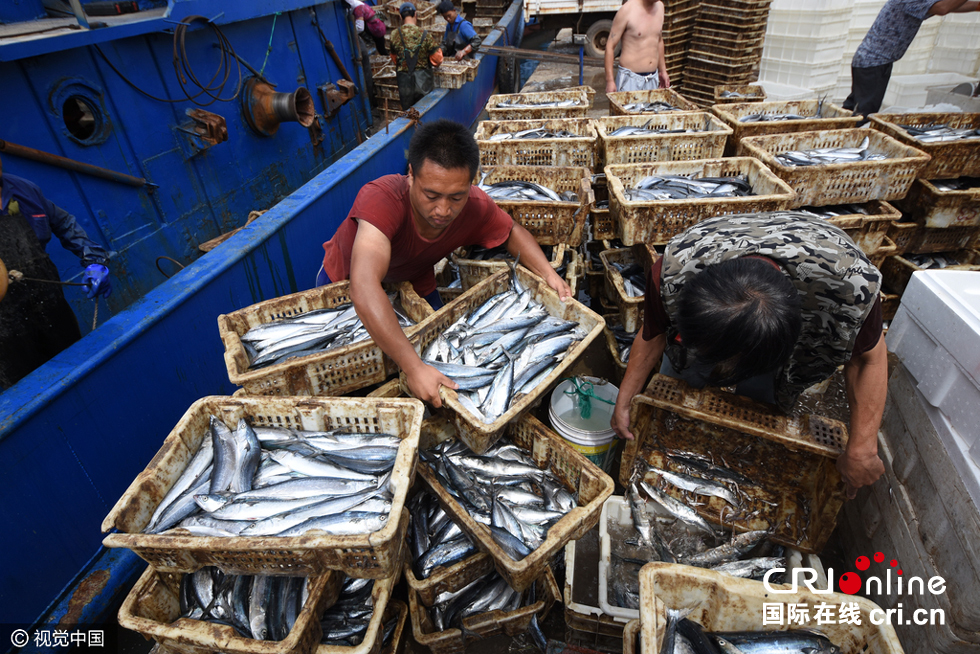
point(401, 225)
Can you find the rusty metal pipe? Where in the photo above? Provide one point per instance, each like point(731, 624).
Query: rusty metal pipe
point(336, 59)
point(70, 164)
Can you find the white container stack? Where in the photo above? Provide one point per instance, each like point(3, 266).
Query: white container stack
point(863, 16)
point(957, 48)
point(910, 91)
point(804, 42)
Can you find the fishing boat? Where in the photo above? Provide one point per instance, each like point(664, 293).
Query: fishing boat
point(102, 109)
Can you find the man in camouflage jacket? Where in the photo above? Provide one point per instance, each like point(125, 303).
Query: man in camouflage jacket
point(415, 53)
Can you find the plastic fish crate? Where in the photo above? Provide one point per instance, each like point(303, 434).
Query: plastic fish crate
point(577, 473)
point(564, 152)
point(800, 498)
point(619, 99)
point(724, 603)
point(833, 118)
point(612, 320)
point(482, 625)
point(477, 435)
point(857, 181)
point(474, 271)
point(152, 609)
point(911, 90)
point(504, 113)
point(933, 208)
point(799, 74)
point(450, 75)
point(931, 462)
point(332, 372)
point(896, 271)
point(707, 143)
point(756, 91)
point(550, 223)
point(631, 637)
point(916, 238)
point(869, 230)
point(659, 221)
point(399, 609)
point(777, 91)
point(881, 519)
point(375, 556)
point(630, 308)
point(603, 223)
point(449, 579)
point(951, 159)
point(885, 250)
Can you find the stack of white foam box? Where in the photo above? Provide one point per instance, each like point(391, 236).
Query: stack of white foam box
point(916, 59)
point(957, 47)
point(863, 15)
point(923, 513)
point(804, 42)
point(910, 91)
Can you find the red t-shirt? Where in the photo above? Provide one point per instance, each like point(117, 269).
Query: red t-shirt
point(385, 204)
point(656, 321)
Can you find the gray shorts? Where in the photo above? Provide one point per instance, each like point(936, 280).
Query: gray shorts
point(627, 80)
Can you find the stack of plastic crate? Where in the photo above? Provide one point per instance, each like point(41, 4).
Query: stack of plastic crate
point(957, 49)
point(804, 43)
point(678, 26)
point(916, 59)
point(725, 47)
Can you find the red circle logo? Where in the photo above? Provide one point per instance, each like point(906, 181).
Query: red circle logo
point(862, 563)
point(879, 557)
point(849, 583)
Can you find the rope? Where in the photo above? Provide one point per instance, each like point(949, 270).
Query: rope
point(268, 50)
point(583, 393)
point(16, 276)
point(179, 264)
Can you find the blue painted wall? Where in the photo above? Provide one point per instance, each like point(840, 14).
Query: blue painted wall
point(75, 433)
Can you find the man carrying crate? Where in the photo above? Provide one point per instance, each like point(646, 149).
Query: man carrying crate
point(886, 42)
point(639, 25)
point(401, 225)
point(771, 304)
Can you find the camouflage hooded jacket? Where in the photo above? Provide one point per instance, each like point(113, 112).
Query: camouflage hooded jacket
point(837, 284)
point(413, 35)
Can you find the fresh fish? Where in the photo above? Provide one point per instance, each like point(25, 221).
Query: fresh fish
point(277, 524)
point(800, 641)
point(697, 485)
point(938, 261)
point(773, 117)
point(516, 190)
point(824, 156)
point(526, 104)
point(736, 94)
point(941, 133)
point(750, 568)
point(733, 549)
point(198, 466)
point(674, 187)
point(535, 133)
point(677, 508)
point(342, 524)
point(657, 107)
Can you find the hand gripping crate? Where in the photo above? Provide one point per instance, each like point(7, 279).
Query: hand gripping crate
point(478, 435)
point(818, 115)
point(577, 104)
point(482, 625)
point(550, 223)
point(659, 221)
point(630, 308)
point(798, 499)
point(949, 159)
point(896, 271)
point(374, 556)
point(474, 271)
point(579, 151)
point(577, 473)
point(755, 93)
point(331, 372)
point(152, 609)
point(933, 208)
point(612, 320)
point(858, 181)
point(720, 602)
point(868, 230)
point(619, 99)
point(707, 142)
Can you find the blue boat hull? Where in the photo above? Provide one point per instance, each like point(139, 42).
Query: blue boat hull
point(75, 433)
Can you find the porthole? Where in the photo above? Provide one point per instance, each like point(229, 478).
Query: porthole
point(82, 118)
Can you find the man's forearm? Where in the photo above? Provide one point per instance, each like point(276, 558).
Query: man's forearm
point(866, 380)
point(375, 311)
point(521, 242)
point(643, 357)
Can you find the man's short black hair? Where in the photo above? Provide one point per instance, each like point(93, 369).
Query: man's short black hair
point(742, 317)
point(446, 143)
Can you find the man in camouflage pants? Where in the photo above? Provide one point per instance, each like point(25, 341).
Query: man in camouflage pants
point(415, 53)
point(771, 304)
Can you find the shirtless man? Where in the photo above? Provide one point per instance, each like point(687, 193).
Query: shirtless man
point(639, 24)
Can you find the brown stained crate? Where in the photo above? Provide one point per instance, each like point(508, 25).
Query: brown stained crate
point(830, 117)
point(800, 498)
point(896, 271)
point(578, 110)
point(612, 320)
point(933, 208)
point(757, 92)
point(619, 99)
point(949, 159)
point(708, 142)
point(562, 152)
point(868, 230)
point(474, 271)
point(630, 308)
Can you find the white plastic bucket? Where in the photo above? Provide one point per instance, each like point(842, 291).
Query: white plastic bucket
point(593, 437)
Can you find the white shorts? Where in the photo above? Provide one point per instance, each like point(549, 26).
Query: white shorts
point(627, 80)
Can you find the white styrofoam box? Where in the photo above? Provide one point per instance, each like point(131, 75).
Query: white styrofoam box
point(776, 91)
point(936, 333)
point(809, 5)
point(911, 90)
point(795, 73)
point(802, 50)
point(810, 24)
point(964, 61)
point(959, 31)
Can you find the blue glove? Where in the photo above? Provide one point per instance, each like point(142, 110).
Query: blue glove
point(96, 280)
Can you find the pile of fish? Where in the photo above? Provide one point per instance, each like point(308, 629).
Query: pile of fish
point(937, 261)
point(836, 211)
point(270, 481)
point(503, 348)
point(630, 130)
point(500, 253)
point(657, 107)
point(824, 156)
point(676, 187)
point(683, 636)
point(308, 333)
point(958, 184)
point(536, 133)
point(767, 117)
point(624, 342)
point(504, 490)
point(736, 94)
point(434, 539)
point(940, 133)
point(346, 622)
point(518, 190)
point(634, 279)
point(513, 104)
